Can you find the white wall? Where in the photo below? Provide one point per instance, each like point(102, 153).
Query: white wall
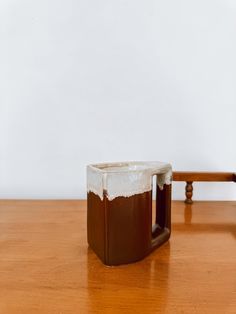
point(91, 81)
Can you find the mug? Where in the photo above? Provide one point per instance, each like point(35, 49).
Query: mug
point(119, 209)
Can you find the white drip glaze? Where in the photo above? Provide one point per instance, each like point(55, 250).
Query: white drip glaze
point(126, 178)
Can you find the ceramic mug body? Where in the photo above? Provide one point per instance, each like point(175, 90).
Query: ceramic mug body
point(119, 210)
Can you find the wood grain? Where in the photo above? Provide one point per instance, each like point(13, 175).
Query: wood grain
point(46, 266)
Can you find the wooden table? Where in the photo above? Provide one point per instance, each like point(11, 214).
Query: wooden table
point(46, 266)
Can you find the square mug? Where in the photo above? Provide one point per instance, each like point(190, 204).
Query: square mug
point(119, 209)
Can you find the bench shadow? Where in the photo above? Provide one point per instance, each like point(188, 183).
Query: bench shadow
point(189, 226)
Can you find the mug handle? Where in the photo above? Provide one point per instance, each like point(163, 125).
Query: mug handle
point(162, 229)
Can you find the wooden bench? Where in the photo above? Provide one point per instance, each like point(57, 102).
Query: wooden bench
point(190, 177)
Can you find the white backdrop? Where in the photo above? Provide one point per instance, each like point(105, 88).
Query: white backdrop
point(91, 81)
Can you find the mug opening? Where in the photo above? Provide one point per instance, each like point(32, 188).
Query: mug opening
point(121, 167)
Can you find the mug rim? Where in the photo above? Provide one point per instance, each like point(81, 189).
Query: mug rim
point(129, 166)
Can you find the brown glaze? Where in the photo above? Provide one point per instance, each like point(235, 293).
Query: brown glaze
point(120, 231)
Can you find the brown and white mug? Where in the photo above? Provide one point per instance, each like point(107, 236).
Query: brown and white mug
point(119, 209)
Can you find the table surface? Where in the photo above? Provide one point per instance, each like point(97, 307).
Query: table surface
point(47, 267)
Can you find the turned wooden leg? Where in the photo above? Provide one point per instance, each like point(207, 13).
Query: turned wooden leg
point(189, 192)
